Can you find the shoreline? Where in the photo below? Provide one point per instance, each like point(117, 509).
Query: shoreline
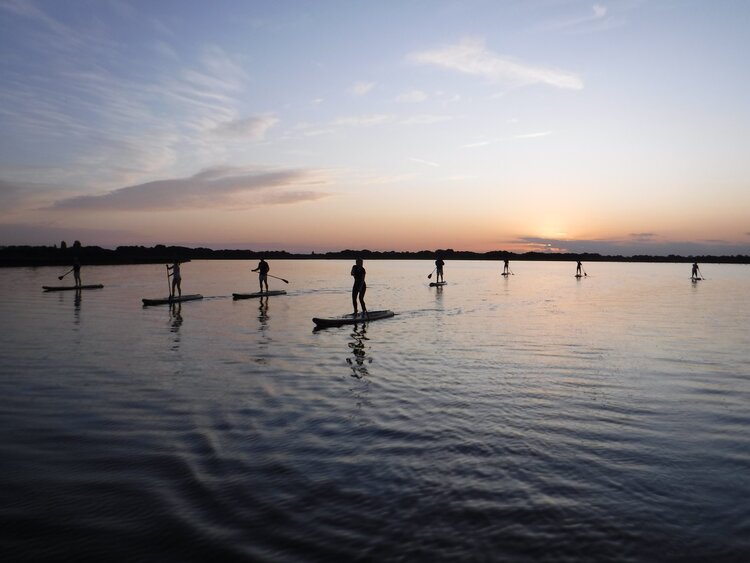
point(39, 256)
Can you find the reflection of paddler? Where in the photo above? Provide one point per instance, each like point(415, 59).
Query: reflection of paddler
point(357, 364)
point(262, 270)
point(359, 287)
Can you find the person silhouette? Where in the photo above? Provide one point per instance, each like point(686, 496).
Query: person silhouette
point(360, 286)
point(439, 270)
point(695, 274)
point(506, 268)
point(262, 270)
point(77, 272)
point(176, 278)
point(579, 266)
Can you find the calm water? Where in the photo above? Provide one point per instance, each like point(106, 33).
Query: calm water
point(535, 418)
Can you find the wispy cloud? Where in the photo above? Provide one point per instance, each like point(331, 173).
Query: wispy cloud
point(598, 18)
point(425, 119)
point(361, 88)
point(119, 127)
point(251, 128)
point(643, 237)
point(18, 196)
point(412, 96)
point(212, 187)
point(486, 142)
point(470, 56)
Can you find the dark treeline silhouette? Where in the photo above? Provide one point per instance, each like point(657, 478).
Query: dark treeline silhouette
point(96, 255)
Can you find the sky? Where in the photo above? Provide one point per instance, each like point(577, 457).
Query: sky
point(619, 127)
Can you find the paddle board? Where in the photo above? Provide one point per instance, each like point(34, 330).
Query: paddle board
point(579, 276)
point(168, 300)
point(438, 284)
point(505, 274)
point(350, 319)
point(258, 294)
point(70, 287)
point(696, 279)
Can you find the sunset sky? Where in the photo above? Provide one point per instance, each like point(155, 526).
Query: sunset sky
point(614, 127)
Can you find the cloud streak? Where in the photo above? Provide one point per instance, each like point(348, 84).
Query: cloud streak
point(412, 96)
point(471, 57)
point(484, 143)
point(250, 128)
point(361, 88)
point(212, 187)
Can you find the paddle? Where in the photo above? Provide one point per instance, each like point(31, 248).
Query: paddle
point(278, 278)
point(169, 285)
point(65, 274)
point(433, 271)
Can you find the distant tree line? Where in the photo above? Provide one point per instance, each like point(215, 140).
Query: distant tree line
point(64, 255)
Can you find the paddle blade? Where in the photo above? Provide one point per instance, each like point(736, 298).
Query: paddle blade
point(60, 277)
point(282, 279)
point(429, 277)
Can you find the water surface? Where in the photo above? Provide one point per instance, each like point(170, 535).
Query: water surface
point(534, 418)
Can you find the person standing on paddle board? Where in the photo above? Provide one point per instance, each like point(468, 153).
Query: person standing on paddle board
point(176, 277)
point(579, 266)
point(262, 270)
point(360, 286)
point(77, 272)
point(439, 270)
point(506, 268)
point(695, 273)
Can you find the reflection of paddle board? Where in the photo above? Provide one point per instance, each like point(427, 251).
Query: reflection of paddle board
point(258, 294)
point(350, 319)
point(70, 287)
point(438, 284)
point(168, 300)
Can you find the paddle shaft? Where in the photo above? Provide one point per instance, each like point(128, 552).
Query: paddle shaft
point(169, 285)
point(278, 278)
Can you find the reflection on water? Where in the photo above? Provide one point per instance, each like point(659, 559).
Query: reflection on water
point(358, 349)
point(77, 306)
point(535, 421)
point(263, 313)
point(175, 323)
point(175, 317)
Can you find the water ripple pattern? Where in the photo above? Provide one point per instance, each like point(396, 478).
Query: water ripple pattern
point(529, 418)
